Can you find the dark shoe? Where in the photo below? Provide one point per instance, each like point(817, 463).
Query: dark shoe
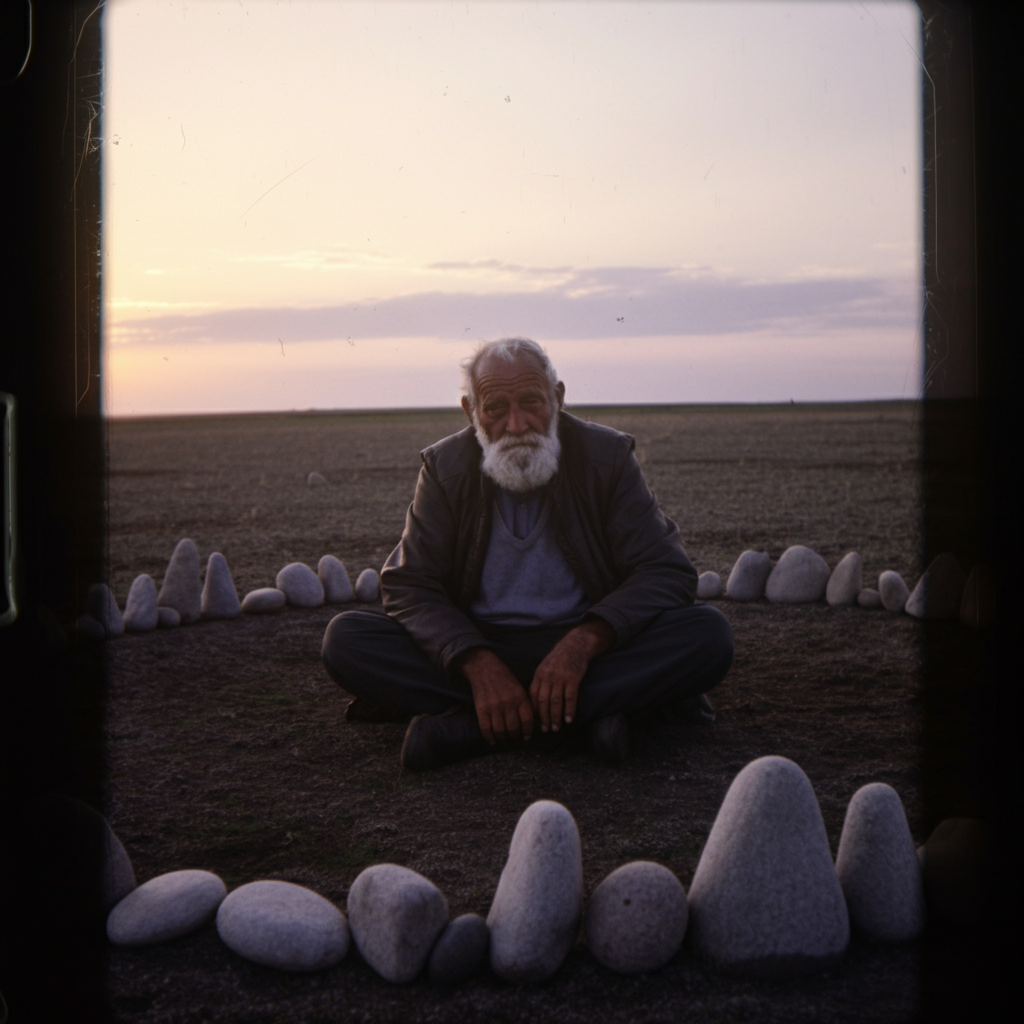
point(435, 740)
point(609, 739)
point(363, 710)
point(696, 709)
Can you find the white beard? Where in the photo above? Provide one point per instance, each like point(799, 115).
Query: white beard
point(523, 462)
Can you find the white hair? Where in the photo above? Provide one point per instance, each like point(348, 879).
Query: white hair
point(508, 349)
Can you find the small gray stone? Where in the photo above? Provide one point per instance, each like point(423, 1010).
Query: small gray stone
point(939, 591)
point(100, 604)
point(800, 576)
point(765, 898)
point(314, 479)
point(301, 586)
point(140, 610)
point(869, 598)
point(182, 588)
point(167, 618)
point(165, 908)
point(978, 606)
point(396, 916)
point(893, 591)
point(368, 585)
point(283, 925)
point(709, 586)
point(748, 577)
point(334, 577)
point(846, 581)
point(878, 867)
point(220, 599)
point(537, 907)
point(266, 599)
point(460, 951)
point(636, 918)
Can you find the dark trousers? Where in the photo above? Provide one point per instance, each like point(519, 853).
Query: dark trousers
point(682, 653)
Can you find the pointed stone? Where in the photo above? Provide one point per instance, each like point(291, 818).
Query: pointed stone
point(460, 951)
point(709, 586)
point(536, 911)
point(315, 479)
point(878, 867)
point(301, 586)
point(140, 610)
point(846, 581)
point(368, 585)
point(869, 598)
point(939, 591)
point(978, 606)
point(396, 916)
point(765, 898)
point(263, 600)
point(182, 589)
point(800, 577)
point(100, 604)
point(334, 577)
point(636, 918)
point(748, 577)
point(220, 599)
point(167, 618)
point(894, 592)
point(165, 908)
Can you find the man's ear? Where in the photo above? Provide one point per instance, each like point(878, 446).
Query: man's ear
point(560, 394)
point(467, 408)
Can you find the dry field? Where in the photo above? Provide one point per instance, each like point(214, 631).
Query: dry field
point(228, 750)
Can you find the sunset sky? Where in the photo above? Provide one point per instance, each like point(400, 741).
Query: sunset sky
point(328, 204)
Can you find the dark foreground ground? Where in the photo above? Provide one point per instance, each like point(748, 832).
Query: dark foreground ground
point(228, 750)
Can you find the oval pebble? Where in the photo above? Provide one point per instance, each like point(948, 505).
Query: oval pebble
point(168, 618)
point(334, 577)
point(165, 908)
point(283, 925)
point(266, 599)
point(869, 598)
point(301, 586)
point(748, 577)
point(893, 591)
point(368, 585)
point(460, 951)
point(709, 586)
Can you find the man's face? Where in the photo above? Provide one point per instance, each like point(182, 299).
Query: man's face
point(514, 399)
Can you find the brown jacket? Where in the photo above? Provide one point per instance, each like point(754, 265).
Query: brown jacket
point(626, 554)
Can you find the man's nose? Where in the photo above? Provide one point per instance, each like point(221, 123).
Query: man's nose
point(516, 420)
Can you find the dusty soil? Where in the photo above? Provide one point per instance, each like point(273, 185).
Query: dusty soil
point(228, 749)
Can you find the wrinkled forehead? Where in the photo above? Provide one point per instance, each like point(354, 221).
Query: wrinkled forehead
point(524, 373)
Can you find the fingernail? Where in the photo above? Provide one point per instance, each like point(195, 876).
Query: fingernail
point(554, 728)
point(568, 719)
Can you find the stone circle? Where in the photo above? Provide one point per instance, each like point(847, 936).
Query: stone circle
point(748, 577)
point(878, 867)
point(765, 898)
point(100, 605)
point(266, 599)
point(334, 577)
point(460, 951)
point(182, 588)
point(846, 581)
point(939, 591)
point(709, 586)
point(799, 577)
point(283, 925)
point(636, 918)
point(396, 916)
point(894, 592)
point(165, 908)
point(301, 586)
point(140, 610)
point(535, 915)
point(368, 585)
point(220, 599)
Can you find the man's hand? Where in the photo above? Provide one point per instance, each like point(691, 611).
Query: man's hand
point(502, 707)
point(556, 683)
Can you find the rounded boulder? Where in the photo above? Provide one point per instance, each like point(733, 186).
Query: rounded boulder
point(460, 951)
point(334, 577)
point(709, 586)
point(800, 577)
point(165, 908)
point(846, 581)
point(140, 610)
point(301, 586)
point(748, 577)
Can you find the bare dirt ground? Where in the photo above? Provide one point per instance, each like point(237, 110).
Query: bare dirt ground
point(227, 747)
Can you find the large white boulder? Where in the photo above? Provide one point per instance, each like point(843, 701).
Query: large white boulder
point(334, 577)
point(301, 586)
point(799, 577)
point(165, 908)
point(846, 581)
point(220, 599)
point(182, 588)
point(748, 577)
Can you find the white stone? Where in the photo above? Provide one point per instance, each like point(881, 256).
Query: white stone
point(869, 598)
point(537, 907)
point(100, 604)
point(301, 586)
point(140, 610)
point(846, 581)
point(709, 586)
point(636, 918)
point(939, 591)
point(314, 479)
point(266, 599)
point(165, 908)
point(460, 950)
point(220, 599)
point(748, 577)
point(182, 588)
point(283, 925)
point(878, 867)
point(367, 585)
point(396, 916)
point(765, 898)
point(334, 577)
point(800, 576)
point(893, 591)
point(167, 618)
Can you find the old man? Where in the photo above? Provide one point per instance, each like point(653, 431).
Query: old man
point(537, 585)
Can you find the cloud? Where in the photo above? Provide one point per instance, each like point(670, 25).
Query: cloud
point(604, 302)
